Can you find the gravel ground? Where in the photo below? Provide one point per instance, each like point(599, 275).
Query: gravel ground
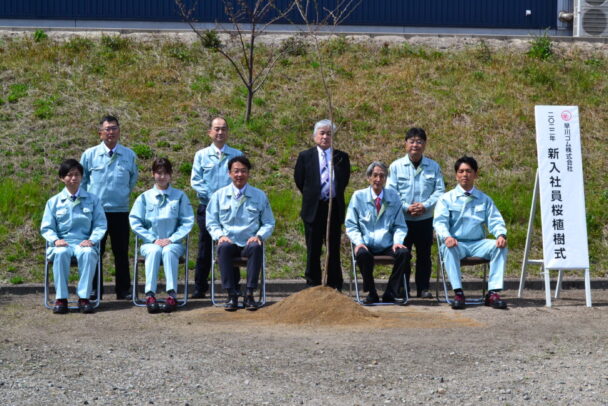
point(418, 354)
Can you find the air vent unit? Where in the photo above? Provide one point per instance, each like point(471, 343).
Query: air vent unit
point(591, 18)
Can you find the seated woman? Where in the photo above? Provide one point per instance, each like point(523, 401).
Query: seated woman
point(73, 224)
point(162, 217)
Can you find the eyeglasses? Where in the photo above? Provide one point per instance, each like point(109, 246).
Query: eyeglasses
point(110, 129)
point(417, 142)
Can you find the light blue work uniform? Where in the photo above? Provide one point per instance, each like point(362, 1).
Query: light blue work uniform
point(73, 221)
point(240, 219)
point(110, 178)
point(210, 172)
point(159, 214)
point(463, 218)
point(423, 184)
point(378, 231)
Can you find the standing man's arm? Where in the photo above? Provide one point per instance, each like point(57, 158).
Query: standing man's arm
point(84, 161)
point(299, 172)
point(134, 172)
point(196, 177)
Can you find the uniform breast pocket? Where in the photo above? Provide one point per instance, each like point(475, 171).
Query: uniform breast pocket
point(225, 212)
point(429, 183)
point(403, 182)
point(87, 211)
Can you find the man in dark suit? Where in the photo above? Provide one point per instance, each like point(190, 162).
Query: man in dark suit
point(321, 174)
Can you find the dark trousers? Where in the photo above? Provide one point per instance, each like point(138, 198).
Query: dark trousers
point(118, 230)
point(203, 260)
point(420, 235)
point(231, 276)
point(315, 235)
point(365, 260)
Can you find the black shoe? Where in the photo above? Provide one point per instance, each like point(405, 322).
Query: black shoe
point(425, 294)
point(198, 294)
point(124, 296)
point(249, 303)
point(152, 305)
point(170, 304)
point(232, 304)
point(61, 306)
point(459, 302)
point(371, 299)
point(84, 306)
point(389, 299)
point(493, 300)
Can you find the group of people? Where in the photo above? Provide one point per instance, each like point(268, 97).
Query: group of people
point(398, 211)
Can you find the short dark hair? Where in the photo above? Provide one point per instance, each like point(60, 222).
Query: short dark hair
point(69, 164)
point(109, 119)
point(466, 160)
point(216, 118)
point(162, 163)
point(240, 158)
point(415, 132)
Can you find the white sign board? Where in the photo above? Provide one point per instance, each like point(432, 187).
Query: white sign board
point(562, 193)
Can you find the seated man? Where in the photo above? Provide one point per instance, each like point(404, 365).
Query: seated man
point(73, 224)
point(376, 226)
point(460, 216)
point(239, 218)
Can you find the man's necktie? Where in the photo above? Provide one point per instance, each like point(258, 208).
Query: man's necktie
point(378, 204)
point(73, 197)
point(111, 153)
point(325, 179)
point(238, 195)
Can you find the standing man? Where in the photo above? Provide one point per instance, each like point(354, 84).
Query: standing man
point(110, 173)
point(319, 182)
point(461, 217)
point(375, 226)
point(209, 173)
point(239, 218)
point(419, 182)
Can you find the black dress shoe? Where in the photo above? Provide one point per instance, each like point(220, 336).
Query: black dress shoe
point(85, 306)
point(124, 296)
point(371, 299)
point(459, 302)
point(389, 299)
point(61, 306)
point(198, 294)
point(425, 294)
point(152, 305)
point(249, 303)
point(232, 304)
point(493, 300)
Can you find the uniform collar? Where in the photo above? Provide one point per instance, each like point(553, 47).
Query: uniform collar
point(104, 149)
point(409, 162)
point(461, 192)
point(374, 196)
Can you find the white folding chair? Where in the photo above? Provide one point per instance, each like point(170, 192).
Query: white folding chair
point(72, 304)
point(139, 259)
point(467, 261)
point(238, 262)
point(378, 260)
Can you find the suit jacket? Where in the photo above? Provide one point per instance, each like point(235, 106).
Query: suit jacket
point(308, 180)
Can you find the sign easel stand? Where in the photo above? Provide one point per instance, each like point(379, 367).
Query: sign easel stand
point(544, 271)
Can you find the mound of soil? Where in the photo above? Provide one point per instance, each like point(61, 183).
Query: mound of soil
point(320, 305)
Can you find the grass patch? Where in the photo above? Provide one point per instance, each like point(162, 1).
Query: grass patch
point(479, 101)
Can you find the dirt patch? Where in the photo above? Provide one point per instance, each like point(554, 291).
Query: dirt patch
point(318, 306)
point(325, 307)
